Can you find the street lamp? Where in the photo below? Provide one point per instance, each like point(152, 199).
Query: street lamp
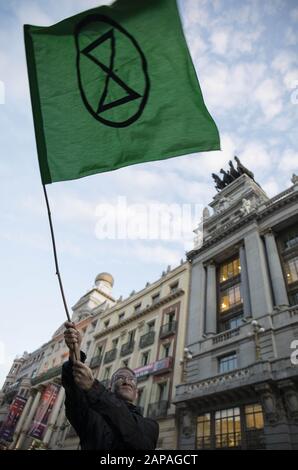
point(187, 356)
point(257, 330)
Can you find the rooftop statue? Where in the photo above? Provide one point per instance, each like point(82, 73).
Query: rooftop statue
point(242, 169)
point(219, 183)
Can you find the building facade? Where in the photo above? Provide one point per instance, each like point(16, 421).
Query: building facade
point(241, 387)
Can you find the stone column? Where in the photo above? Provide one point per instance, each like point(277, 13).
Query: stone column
point(195, 328)
point(29, 419)
point(53, 416)
point(21, 421)
point(260, 291)
point(244, 283)
point(211, 301)
point(275, 269)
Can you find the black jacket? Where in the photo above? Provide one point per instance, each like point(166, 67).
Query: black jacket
point(102, 420)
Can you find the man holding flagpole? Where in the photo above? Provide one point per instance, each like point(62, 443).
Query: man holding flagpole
point(104, 419)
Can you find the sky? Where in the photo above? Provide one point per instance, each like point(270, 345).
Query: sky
point(245, 55)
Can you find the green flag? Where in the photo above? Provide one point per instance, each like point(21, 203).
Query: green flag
point(114, 86)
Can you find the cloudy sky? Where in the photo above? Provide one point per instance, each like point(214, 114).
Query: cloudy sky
point(245, 54)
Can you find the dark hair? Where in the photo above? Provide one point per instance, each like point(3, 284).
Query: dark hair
point(123, 368)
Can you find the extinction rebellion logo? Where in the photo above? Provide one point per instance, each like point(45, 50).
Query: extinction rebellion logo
point(112, 71)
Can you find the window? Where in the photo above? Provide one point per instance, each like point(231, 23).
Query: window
point(236, 427)
point(150, 326)
point(254, 422)
point(230, 298)
point(93, 325)
point(227, 363)
point(155, 298)
point(293, 298)
point(254, 417)
point(145, 358)
point(174, 287)
point(227, 428)
point(99, 351)
point(288, 245)
point(171, 318)
point(125, 362)
point(162, 392)
point(230, 303)
point(121, 317)
point(233, 322)
point(291, 267)
point(131, 336)
point(291, 238)
point(106, 323)
point(229, 270)
point(137, 307)
point(204, 431)
point(115, 343)
point(166, 350)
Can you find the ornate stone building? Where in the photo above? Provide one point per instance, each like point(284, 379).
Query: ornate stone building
point(240, 386)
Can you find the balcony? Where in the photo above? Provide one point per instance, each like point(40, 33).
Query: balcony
point(168, 329)
point(162, 366)
point(127, 348)
point(221, 384)
point(147, 339)
point(95, 361)
point(158, 409)
point(50, 374)
point(110, 355)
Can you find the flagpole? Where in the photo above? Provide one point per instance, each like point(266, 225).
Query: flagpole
point(55, 253)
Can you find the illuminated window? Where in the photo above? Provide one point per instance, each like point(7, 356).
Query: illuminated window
point(254, 417)
point(229, 298)
point(240, 427)
point(204, 431)
point(291, 267)
point(254, 422)
point(227, 428)
point(229, 270)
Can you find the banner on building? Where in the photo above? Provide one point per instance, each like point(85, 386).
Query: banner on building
point(15, 410)
point(44, 409)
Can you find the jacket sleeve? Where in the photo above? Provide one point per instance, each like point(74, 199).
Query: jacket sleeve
point(76, 404)
point(137, 432)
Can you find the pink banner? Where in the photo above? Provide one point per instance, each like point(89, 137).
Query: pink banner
point(44, 409)
point(9, 425)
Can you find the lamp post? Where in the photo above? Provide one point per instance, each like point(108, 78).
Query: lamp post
point(257, 330)
point(187, 356)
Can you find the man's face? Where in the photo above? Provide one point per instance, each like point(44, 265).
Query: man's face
point(124, 385)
